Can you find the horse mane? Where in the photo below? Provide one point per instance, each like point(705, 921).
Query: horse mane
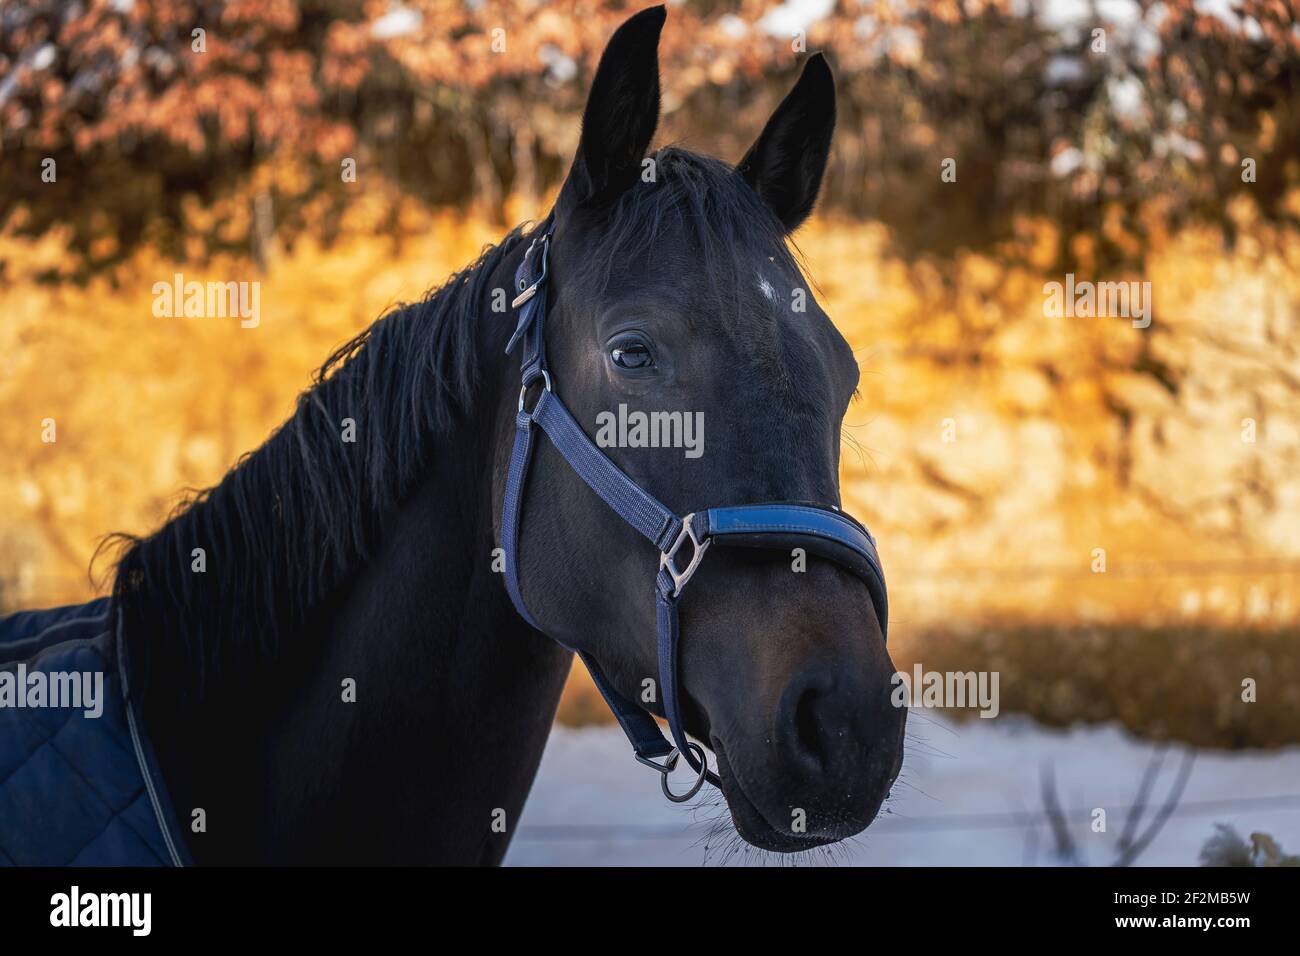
point(288, 523)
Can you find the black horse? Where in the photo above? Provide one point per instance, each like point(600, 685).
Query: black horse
point(346, 680)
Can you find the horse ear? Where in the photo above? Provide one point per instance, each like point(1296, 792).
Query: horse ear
point(786, 163)
point(622, 112)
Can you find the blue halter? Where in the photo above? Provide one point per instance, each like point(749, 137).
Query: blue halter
point(824, 531)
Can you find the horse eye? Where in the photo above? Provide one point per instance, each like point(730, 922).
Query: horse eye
point(631, 355)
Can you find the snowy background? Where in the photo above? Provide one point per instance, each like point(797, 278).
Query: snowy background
point(969, 794)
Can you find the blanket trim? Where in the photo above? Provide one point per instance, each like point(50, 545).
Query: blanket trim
point(146, 770)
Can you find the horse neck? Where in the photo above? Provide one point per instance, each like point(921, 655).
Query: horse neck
point(408, 723)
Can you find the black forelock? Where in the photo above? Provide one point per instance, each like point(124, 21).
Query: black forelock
point(697, 201)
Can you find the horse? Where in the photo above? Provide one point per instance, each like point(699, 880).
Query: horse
point(350, 651)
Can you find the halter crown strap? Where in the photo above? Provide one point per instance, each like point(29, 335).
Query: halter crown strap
point(825, 531)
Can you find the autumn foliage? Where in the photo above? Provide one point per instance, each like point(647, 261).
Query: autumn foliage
point(1117, 135)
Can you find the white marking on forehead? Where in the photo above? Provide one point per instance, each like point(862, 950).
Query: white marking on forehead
point(765, 287)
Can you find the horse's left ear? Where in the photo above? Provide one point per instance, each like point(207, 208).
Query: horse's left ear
point(786, 163)
point(621, 115)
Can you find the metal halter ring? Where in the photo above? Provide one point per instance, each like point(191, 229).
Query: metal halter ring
point(523, 389)
point(670, 763)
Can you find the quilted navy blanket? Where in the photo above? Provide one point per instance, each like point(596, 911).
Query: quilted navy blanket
point(79, 783)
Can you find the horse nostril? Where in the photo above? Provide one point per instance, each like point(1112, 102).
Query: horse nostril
point(806, 728)
point(804, 718)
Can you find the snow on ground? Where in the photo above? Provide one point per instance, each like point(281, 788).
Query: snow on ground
point(970, 794)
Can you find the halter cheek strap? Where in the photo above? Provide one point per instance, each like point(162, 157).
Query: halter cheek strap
point(825, 531)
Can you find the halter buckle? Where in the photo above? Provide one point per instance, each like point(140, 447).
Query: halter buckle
point(698, 546)
point(528, 292)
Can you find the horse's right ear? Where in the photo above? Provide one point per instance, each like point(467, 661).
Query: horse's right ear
point(622, 113)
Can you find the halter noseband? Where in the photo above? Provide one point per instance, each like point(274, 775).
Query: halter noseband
point(822, 530)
